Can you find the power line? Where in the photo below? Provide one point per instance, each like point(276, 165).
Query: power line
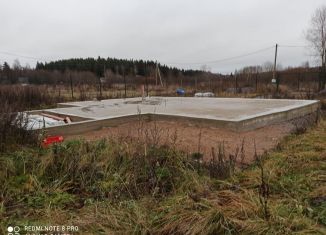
point(179, 63)
point(302, 46)
point(224, 59)
point(21, 56)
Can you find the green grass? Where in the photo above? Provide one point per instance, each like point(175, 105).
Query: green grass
point(124, 187)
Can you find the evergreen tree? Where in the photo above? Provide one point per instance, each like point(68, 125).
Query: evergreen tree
point(7, 73)
point(130, 67)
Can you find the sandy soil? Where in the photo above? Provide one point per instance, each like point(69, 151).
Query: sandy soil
point(193, 138)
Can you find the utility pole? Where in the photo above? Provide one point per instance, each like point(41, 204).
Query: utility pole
point(231, 78)
point(146, 79)
point(275, 58)
point(156, 71)
point(299, 76)
point(124, 80)
point(256, 80)
point(236, 82)
point(146, 87)
point(210, 84)
point(159, 74)
point(100, 82)
point(71, 86)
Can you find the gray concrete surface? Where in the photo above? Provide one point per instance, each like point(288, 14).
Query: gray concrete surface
point(233, 113)
point(227, 109)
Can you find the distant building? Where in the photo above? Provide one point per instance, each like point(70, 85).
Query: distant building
point(204, 94)
point(23, 80)
point(103, 79)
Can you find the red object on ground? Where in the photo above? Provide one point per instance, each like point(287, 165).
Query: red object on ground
point(52, 140)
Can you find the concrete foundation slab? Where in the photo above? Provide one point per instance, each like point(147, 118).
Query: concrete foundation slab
point(238, 114)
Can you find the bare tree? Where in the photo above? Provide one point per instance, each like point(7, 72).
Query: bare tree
point(316, 36)
point(268, 66)
point(205, 68)
point(305, 64)
point(16, 65)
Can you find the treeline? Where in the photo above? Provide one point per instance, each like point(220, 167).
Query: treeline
point(115, 66)
point(90, 70)
point(113, 72)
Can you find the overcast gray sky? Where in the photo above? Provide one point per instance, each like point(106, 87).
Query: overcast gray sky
point(183, 33)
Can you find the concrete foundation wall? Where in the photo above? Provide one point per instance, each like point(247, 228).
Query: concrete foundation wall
point(253, 123)
point(90, 125)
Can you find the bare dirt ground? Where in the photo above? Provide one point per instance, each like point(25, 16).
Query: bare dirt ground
point(192, 138)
